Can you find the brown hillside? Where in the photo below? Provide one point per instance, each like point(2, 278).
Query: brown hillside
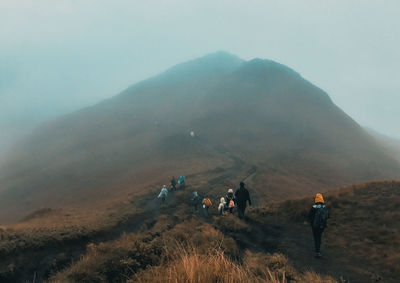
point(363, 233)
point(257, 116)
point(141, 241)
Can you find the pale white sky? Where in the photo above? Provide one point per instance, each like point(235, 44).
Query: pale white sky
point(58, 56)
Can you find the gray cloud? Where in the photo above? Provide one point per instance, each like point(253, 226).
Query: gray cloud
point(58, 56)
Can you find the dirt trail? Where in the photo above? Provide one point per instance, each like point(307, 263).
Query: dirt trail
point(295, 241)
point(297, 244)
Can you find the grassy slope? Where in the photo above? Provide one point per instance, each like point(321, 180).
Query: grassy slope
point(361, 242)
point(364, 224)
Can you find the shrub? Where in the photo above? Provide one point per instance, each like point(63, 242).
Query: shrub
point(231, 223)
point(196, 267)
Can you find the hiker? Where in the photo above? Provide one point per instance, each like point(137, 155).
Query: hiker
point(181, 182)
point(173, 184)
point(241, 197)
point(206, 205)
point(195, 201)
point(163, 194)
point(318, 217)
point(230, 201)
point(221, 206)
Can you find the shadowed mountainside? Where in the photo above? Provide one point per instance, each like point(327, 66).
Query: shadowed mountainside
point(258, 113)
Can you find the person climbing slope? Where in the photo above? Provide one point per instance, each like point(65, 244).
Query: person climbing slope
point(230, 201)
point(163, 194)
point(221, 206)
point(173, 184)
point(242, 196)
point(181, 182)
point(318, 217)
point(206, 205)
point(195, 201)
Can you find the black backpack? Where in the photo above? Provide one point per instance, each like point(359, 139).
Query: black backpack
point(320, 217)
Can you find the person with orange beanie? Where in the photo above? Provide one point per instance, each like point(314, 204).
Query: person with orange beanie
point(318, 217)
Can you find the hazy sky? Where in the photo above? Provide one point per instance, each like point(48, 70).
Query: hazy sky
point(58, 56)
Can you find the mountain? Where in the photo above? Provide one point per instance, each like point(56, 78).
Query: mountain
point(256, 120)
point(392, 145)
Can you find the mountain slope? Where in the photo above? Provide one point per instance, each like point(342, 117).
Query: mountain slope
point(253, 116)
point(392, 145)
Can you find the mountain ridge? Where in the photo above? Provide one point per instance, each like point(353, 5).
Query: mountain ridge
point(259, 112)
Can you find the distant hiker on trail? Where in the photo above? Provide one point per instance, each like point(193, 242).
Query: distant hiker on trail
point(163, 194)
point(173, 184)
point(195, 201)
point(318, 217)
point(230, 201)
point(242, 196)
point(206, 205)
point(221, 206)
point(181, 182)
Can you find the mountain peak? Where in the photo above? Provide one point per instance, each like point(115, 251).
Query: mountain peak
point(221, 55)
point(264, 65)
point(210, 64)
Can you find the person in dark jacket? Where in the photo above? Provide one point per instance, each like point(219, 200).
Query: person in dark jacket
point(195, 201)
point(173, 184)
point(242, 196)
point(318, 217)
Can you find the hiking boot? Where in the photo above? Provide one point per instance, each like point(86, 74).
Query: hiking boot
point(318, 255)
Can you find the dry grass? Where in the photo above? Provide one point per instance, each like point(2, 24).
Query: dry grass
point(49, 239)
point(181, 248)
point(364, 222)
point(118, 260)
point(194, 266)
point(47, 226)
point(113, 261)
point(176, 249)
point(277, 267)
point(231, 223)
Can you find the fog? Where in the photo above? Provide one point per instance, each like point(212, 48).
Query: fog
point(59, 56)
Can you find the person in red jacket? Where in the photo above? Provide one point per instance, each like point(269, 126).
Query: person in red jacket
point(206, 205)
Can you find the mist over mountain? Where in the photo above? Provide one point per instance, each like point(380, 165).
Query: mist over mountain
point(257, 116)
point(392, 145)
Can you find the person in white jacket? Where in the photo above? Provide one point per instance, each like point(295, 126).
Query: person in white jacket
point(221, 206)
point(163, 194)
